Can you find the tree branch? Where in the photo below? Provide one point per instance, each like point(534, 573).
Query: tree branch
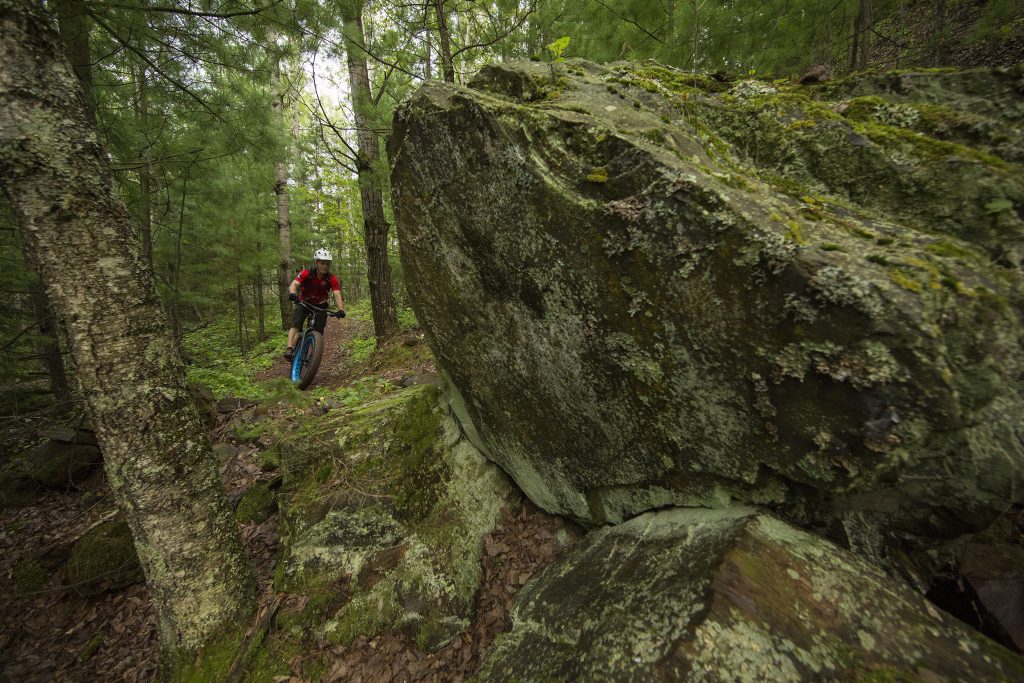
point(516, 25)
point(25, 329)
point(630, 21)
point(193, 13)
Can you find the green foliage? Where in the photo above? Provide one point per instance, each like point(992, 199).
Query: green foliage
point(217, 363)
point(359, 391)
point(363, 348)
point(556, 49)
point(407, 318)
point(997, 205)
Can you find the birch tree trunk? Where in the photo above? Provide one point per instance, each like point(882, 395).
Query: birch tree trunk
point(284, 220)
point(427, 47)
point(370, 167)
point(158, 458)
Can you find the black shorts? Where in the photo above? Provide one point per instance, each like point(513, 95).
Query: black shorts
point(299, 316)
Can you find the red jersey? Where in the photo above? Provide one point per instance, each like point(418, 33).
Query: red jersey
point(313, 288)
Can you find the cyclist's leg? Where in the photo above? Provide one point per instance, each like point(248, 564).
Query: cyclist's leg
point(298, 316)
point(320, 321)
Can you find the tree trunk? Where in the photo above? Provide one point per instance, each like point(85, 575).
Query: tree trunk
point(284, 221)
point(427, 58)
point(145, 172)
point(866, 23)
point(444, 38)
point(176, 325)
point(258, 285)
point(241, 316)
point(73, 24)
point(157, 455)
point(694, 35)
point(370, 167)
point(855, 42)
point(940, 47)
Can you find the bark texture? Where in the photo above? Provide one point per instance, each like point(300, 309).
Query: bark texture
point(157, 456)
point(448, 66)
point(284, 220)
point(375, 225)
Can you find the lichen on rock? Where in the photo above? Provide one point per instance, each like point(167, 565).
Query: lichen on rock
point(385, 506)
point(647, 291)
point(726, 595)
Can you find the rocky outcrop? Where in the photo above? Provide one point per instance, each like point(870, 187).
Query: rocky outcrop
point(727, 595)
point(385, 508)
point(649, 288)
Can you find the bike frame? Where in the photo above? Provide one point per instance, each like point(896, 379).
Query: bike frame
point(306, 338)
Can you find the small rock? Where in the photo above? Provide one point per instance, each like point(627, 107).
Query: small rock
point(103, 559)
point(58, 464)
point(819, 73)
point(257, 504)
point(75, 436)
point(997, 574)
point(420, 378)
point(224, 452)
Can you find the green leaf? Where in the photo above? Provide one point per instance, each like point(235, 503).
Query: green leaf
point(997, 205)
point(557, 48)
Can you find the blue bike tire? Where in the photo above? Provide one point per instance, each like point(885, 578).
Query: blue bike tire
point(307, 358)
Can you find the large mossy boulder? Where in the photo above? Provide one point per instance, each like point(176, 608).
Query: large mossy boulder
point(647, 288)
point(731, 595)
point(385, 508)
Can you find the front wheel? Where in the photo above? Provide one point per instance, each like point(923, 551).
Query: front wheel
point(307, 358)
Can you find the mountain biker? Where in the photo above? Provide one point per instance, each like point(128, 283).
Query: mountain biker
point(311, 287)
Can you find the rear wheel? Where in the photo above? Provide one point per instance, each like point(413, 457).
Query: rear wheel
point(307, 358)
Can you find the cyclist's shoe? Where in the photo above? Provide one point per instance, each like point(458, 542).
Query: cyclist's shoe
point(289, 354)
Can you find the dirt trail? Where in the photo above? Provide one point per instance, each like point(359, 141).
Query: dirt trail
point(332, 373)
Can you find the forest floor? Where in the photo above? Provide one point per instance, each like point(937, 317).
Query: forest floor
point(60, 632)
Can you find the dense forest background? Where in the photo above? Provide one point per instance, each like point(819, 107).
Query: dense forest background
point(234, 132)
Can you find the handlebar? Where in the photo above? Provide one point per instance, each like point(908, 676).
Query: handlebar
point(320, 309)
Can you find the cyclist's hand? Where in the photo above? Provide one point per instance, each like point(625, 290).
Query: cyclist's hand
point(338, 314)
point(293, 296)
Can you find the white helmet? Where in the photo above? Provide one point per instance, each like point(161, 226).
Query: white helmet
point(322, 255)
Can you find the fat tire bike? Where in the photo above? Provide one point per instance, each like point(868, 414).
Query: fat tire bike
point(309, 349)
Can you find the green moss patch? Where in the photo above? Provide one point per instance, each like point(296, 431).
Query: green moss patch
point(103, 559)
point(392, 508)
point(257, 504)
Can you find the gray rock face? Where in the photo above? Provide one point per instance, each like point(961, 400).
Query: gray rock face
point(730, 595)
point(385, 508)
point(643, 299)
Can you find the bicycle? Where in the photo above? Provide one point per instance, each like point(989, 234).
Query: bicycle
point(310, 348)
